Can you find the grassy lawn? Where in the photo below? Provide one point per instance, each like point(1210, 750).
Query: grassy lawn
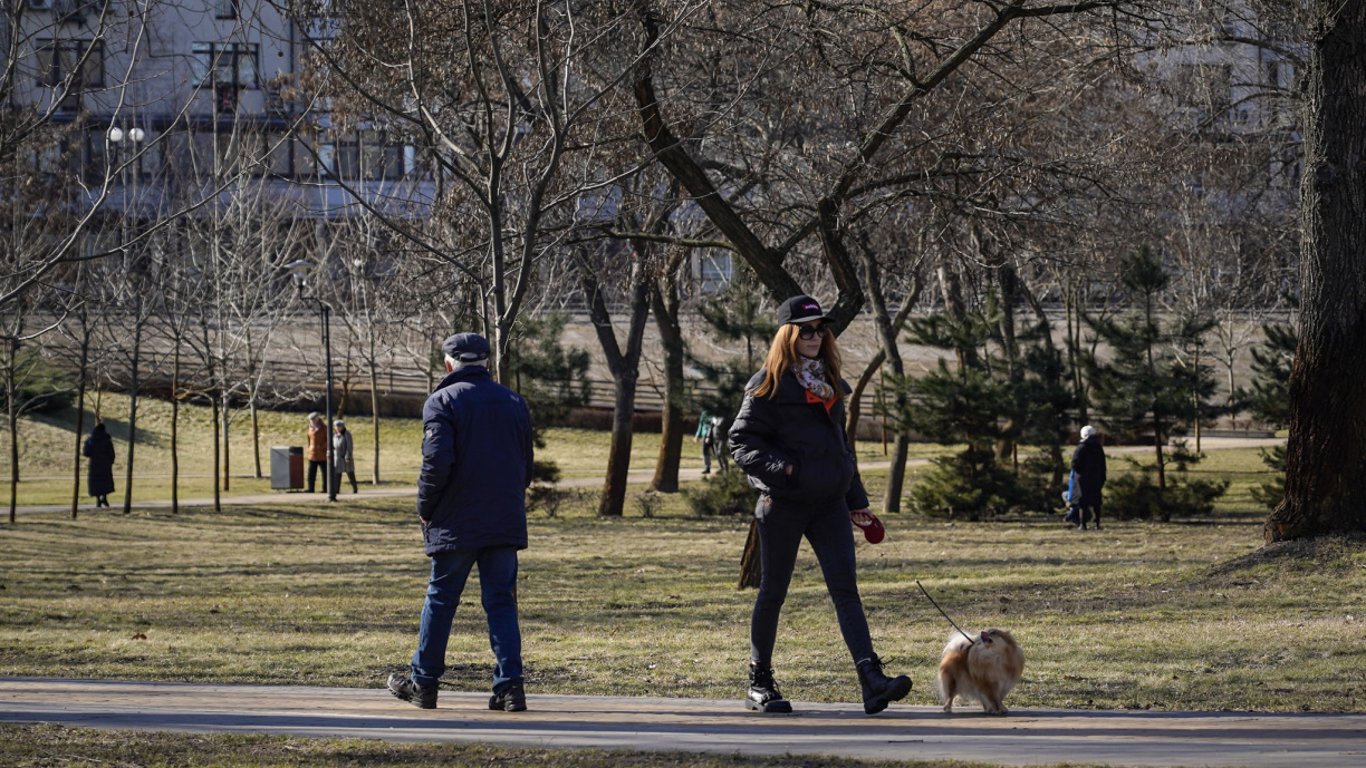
point(47, 444)
point(1179, 616)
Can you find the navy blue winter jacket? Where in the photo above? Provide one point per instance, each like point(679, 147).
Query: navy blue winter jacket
point(476, 464)
point(770, 433)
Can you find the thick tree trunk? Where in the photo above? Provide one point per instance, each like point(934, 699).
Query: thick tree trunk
point(1325, 462)
point(664, 302)
point(613, 500)
point(625, 367)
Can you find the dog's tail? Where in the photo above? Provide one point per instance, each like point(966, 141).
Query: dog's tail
point(957, 643)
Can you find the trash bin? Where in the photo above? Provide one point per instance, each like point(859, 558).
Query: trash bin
point(287, 467)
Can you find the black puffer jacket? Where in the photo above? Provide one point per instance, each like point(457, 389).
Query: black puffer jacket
point(770, 433)
point(1088, 461)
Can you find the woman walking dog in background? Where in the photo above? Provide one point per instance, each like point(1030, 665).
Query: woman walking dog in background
point(789, 439)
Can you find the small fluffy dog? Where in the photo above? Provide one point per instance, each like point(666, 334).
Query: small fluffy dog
point(983, 670)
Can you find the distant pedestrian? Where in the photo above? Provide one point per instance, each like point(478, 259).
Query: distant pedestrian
point(99, 479)
point(720, 443)
point(317, 451)
point(789, 438)
point(471, 501)
point(1088, 462)
point(343, 456)
point(709, 435)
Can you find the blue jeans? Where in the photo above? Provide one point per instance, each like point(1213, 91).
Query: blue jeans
point(782, 525)
point(498, 583)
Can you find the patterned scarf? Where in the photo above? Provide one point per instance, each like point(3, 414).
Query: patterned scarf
point(811, 373)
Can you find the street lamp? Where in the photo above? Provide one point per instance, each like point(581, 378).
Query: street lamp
point(300, 269)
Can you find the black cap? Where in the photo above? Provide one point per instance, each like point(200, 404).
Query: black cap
point(466, 347)
point(800, 309)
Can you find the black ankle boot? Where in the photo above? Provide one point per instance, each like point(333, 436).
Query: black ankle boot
point(764, 695)
point(878, 689)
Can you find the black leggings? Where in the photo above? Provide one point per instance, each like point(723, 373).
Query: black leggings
point(782, 525)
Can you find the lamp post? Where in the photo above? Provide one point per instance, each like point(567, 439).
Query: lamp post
point(300, 268)
point(118, 137)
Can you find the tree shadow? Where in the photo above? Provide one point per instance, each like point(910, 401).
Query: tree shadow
point(65, 420)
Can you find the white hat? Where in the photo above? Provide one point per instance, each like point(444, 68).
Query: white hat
point(1087, 431)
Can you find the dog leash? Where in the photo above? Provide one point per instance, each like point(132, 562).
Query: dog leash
point(945, 615)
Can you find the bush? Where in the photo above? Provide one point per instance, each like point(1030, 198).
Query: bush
point(1135, 496)
point(968, 485)
point(725, 493)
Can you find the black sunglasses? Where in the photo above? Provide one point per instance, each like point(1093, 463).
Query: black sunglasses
point(810, 331)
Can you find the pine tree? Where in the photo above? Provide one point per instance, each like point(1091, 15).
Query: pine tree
point(1269, 401)
point(553, 379)
point(984, 402)
point(1147, 387)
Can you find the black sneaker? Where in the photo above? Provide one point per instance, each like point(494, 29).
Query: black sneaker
point(402, 686)
point(511, 699)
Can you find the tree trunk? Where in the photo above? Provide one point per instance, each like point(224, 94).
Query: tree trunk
point(134, 384)
point(664, 302)
point(255, 434)
point(625, 368)
point(887, 329)
point(175, 427)
point(1325, 461)
point(12, 420)
point(227, 445)
point(374, 411)
point(81, 378)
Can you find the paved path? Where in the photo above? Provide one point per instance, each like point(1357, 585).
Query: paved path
point(1026, 737)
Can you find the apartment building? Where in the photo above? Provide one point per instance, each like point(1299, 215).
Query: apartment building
point(180, 97)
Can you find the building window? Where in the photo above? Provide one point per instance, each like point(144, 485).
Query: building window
point(366, 155)
point(713, 270)
point(70, 67)
point(80, 60)
point(232, 64)
point(225, 9)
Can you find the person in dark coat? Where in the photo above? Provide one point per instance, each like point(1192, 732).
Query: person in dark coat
point(1088, 462)
point(789, 439)
point(99, 479)
point(471, 501)
point(343, 455)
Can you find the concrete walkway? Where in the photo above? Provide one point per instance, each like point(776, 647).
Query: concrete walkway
point(1026, 737)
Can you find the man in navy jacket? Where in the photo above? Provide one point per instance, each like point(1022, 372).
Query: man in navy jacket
point(476, 465)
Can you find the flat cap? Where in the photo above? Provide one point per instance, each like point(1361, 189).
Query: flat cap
point(466, 347)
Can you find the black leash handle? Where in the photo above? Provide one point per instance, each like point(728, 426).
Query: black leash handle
point(941, 611)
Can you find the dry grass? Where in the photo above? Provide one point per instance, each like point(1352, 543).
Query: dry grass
point(1188, 616)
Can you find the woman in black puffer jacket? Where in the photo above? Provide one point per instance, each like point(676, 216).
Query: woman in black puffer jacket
point(790, 441)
